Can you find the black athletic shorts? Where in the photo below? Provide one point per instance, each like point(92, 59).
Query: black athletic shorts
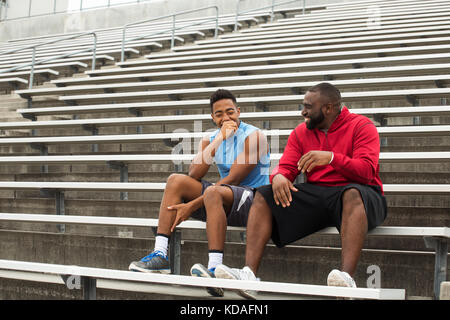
point(242, 201)
point(315, 207)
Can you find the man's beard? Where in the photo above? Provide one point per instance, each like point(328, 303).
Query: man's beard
point(315, 121)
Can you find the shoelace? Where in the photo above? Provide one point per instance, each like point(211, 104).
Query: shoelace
point(152, 255)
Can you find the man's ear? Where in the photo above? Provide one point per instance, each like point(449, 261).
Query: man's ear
point(329, 107)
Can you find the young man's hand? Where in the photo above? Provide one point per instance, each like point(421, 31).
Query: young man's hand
point(314, 158)
point(183, 211)
point(228, 129)
point(282, 187)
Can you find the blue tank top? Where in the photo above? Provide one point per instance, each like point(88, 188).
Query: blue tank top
point(234, 145)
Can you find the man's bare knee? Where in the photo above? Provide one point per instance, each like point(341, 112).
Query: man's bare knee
point(259, 207)
point(352, 196)
point(351, 200)
point(176, 179)
point(259, 201)
point(212, 193)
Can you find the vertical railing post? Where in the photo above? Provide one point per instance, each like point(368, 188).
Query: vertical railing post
point(122, 54)
point(172, 42)
point(237, 16)
point(272, 12)
point(304, 6)
point(33, 61)
point(94, 53)
point(216, 32)
point(29, 8)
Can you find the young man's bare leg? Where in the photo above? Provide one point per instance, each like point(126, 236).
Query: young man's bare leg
point(218, 201)
point(259, 231)
point(179, 188)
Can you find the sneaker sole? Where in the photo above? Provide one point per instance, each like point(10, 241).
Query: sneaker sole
point(135, 268)
point(225, 274)
point(197, 271)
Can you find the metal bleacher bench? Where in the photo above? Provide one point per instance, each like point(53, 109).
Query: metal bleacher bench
point(166, 78)
point(246, 66)
point(89, 279)
point(300, 49)
point(273, 100)
point(435, 238)
point(285, 54)
point(12, 82)
point(433, 235)
point(442, 79)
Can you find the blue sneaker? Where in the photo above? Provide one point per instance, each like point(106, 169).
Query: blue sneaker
point(199, 270)
point(155, 262)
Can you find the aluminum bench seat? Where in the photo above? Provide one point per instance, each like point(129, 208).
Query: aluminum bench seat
point(385, 157)
point(430, 80)
point(274, 64)
point(171, 78)
point(269, 50)
point(119, 279)
point(407, 131)
point(267, 88)
point(389, 51)
point(344, 32)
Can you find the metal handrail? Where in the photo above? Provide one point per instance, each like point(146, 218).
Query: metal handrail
point(33, 58)
point(172, 29)
point(272, 6)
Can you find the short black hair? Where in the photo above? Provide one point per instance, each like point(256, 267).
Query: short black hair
point(219, 95)
point(328, 92)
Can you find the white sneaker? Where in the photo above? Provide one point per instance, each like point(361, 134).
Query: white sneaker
point(338, 278)
point(224, 272)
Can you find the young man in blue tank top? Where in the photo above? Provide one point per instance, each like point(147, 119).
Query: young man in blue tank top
point(241, 153)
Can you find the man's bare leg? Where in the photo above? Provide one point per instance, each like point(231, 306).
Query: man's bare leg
point(179, 188)
point(353, 230)
point(259, 231)
point(218, 201)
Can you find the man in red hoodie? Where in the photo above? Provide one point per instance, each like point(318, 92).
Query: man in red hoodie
point(338, 152)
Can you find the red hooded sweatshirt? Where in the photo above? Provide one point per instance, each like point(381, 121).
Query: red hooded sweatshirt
point(355, 143)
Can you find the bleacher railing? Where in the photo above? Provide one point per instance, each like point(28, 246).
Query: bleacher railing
point(272, 7)
point(34, 47)
point(172, 29)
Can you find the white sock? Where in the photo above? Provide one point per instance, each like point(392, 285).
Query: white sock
point(215, 258)
point(161, 243)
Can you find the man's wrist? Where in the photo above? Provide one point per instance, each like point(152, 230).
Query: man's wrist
point(332, 157)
